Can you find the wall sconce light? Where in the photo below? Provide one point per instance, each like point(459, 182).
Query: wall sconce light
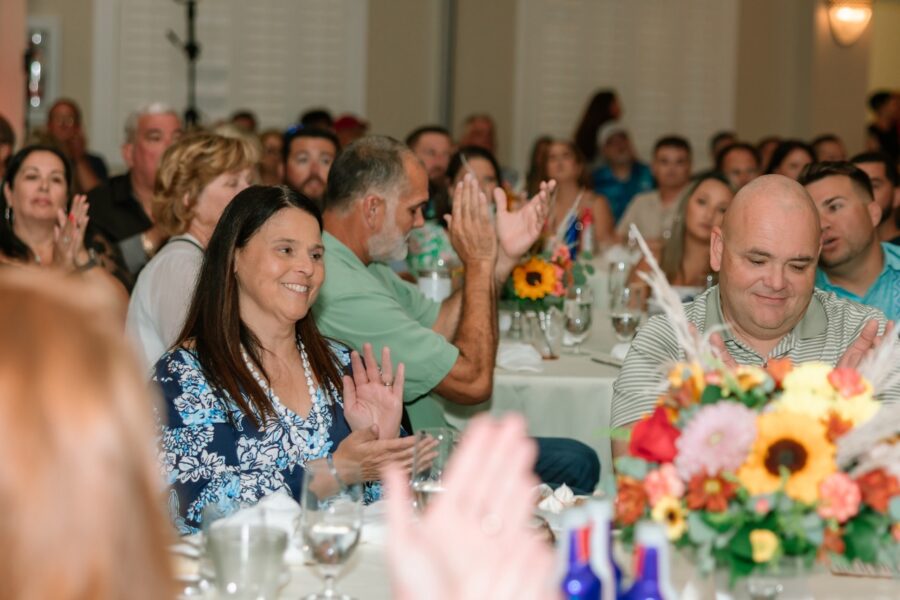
point(848, 19)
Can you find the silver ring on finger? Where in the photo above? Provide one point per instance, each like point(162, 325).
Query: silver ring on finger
point(387, 383)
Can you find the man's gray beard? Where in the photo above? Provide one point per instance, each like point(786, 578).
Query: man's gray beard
point(385, 247)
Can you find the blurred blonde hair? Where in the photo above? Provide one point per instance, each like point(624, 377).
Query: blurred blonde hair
point(188, 166)
point(80, 492)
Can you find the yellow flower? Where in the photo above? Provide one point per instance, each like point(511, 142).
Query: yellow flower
point(535, 279)
point(792, 441)
point(764, 544)
point(809, 379)
point(671, 514)
point(749, 377)
point(858, 409)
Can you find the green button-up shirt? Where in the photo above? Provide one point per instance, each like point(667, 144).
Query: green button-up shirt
point(359, 303)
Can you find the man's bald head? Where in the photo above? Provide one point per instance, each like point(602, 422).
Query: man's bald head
point(772, 197)
point(766, 253)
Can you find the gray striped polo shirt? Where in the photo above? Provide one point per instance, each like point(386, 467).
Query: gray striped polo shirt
point(828, 327)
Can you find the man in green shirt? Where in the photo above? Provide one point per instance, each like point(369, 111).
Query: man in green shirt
point(765, 253)
point(376, 191)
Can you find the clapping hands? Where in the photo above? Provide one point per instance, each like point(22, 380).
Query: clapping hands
point(68, 235)
point(518, 230)
point(373, 396)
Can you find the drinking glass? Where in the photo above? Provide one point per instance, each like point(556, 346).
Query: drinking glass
point(628, 307)
point(330, 521)
point(430, 457)
point(578, 308)
point(247, 557)
point(618, 277)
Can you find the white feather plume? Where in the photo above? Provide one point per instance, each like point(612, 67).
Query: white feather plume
point(883, 426)
point(696, 347)
point(882, 367)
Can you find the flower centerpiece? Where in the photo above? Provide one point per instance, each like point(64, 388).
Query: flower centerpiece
point(741, 467)
point(541, 280)
point(747, 466)
point(539, 284)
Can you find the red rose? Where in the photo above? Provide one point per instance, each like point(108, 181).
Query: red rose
point(653, 438)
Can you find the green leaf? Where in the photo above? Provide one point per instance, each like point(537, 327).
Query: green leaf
point(814, 529)
point(711, 394)
point(699, 532)
point(632, 466)
point(861, 538)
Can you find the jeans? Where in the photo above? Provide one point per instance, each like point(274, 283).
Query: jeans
point(566, 461)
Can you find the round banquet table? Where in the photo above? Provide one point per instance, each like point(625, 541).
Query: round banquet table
point(366, 577)
point(570, 397)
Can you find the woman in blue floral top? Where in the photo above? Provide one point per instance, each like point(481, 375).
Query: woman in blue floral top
point(252, 390)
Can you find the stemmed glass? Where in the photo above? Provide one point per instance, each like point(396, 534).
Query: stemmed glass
point(628, 306)
point(430, 456)
point(578, 308)
point(330, 522)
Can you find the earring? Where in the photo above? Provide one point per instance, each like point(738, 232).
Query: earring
point(9, 215)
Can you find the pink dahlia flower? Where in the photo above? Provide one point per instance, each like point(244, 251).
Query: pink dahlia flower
point(663, 482)
point(717, 439)
point(839, 497)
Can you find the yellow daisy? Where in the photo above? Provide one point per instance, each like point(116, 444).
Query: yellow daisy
point(534, 279)
point(796, 442)
point(669, 512)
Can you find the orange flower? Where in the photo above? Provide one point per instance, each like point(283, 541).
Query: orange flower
point(848, 382)
point(836, 426)
point(709, 492)
point(833, 541)
point(878, 487)
point(778, 368)
point(631, 500)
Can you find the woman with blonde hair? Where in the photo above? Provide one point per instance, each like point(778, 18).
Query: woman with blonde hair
point(197, 178)
point(83, 504)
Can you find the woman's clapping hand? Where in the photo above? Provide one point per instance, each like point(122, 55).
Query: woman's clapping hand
point(373, 396)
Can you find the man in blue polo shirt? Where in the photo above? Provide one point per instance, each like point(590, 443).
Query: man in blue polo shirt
point(853, 264)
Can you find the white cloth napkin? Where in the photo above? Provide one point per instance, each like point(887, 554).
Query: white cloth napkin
point(620, 350)
point(555, 501)
point(518, 356)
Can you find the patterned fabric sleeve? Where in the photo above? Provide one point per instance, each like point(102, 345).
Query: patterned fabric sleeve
point(199, 443)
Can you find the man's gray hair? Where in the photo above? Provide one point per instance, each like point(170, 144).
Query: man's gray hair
point(153, 108)
point(370, 164)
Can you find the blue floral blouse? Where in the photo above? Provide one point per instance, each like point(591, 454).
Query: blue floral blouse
point(210, 453)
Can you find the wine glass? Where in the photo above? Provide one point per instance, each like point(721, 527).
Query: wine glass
point(578, 308)
point(430, 457)
point(618, 277)
point(628, 306)
point(330, 522)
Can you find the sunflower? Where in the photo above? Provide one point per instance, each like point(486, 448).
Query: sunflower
point(671, 515)
point(792, 441)
point(534, 279)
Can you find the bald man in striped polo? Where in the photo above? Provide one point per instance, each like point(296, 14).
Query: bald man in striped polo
point(766, 253)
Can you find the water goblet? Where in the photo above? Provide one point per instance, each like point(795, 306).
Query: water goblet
point(330, 522)
point(247, 557)
point(431, 454)
point(618, 277)
point(578, 309)
point(628, 307)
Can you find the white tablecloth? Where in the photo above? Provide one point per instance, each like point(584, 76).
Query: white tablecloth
point(569, 398)
point(366, 578)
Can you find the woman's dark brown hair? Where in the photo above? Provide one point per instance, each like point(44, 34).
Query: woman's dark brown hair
point(214, 325)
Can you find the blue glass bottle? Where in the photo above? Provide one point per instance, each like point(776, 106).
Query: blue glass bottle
point(579, 581)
